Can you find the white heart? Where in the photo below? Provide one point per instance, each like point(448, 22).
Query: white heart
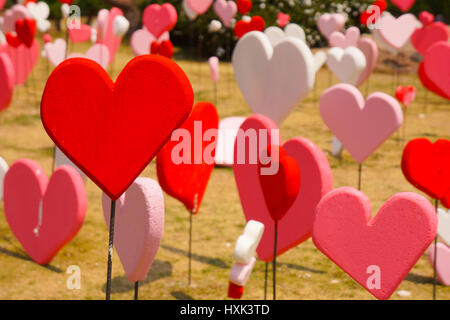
point(43, 25)
point(273, 80)
point(346, 64)
point(39, 11)
point(336, 147)
point(444, 225)
point(120, 26)
point(3, 169)
point(320, 57)
point(65, 9)
point(246, 244)
point(61, 159)
point(276, 34)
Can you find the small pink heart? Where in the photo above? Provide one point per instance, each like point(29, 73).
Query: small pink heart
point(226, 11)
point(159, 18)
point(404, 5)
point(350, 39)
point(24, 59)
point(424, 38)
point(55, 52)
point(214, 68)
point(437, 66)
point(141, 41)
point(370, 50)
point(82, 34)
point(317, 180)
point(396, 32)
point(283, 19)
point(139, 225)
point(361, 126)
point(442, 263)
point(329, 23)
point(199, 6)
point(43, 214)
point(377, 252)
point(7, 80)
point(98, 53)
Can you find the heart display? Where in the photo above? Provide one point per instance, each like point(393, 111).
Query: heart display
point(442, 263)
point(283, 19)
point(396, 32)
point(43, 214)
point(213, 63)
point(3, 170)
point(329, 23)
point(186, 179)
point(370, 50)
point(55, 52)
point(141, 41)
point(199, 6)
point(139, 225)
point(273, 80)
point(24, 59)
point(427, 83)
point(97, 52)
point(120, 26)
point(189, 12)
point(81, 34)
point(424, 38)
point(244, 6)
point(316, 181)
point(26, 29)
point(444, 225)
point(405, 94)
point(426, 166)
point(346, 64)
point(242, 27)
point(228, 130)
point(437, 66)
point(390, 243)
point(159, 18)
point(403, 5)
point(361, 126)
point(226, 11)
point(7, 81)
point(122, 122)
point(349, 39)
point(165, 48)
point(276, 34)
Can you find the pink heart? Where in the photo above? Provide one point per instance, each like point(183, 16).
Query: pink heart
point(43, 214)
point(159, 19)
point(7, 79)
point(442, 263)
point(141, 41)
point(296, 226)
point(329, 23)
point(17, 12)
point(98, 53)
point(139, 225)
point(388, 245)
point(370, 50)
point(55, 52)
point(199, 6)
point(350, 39)
point(403, 5)
point(361, 126)
point(422, 39)
point(283, 19)
point(105, 31)
point(437, 66)
point(214, 68)
point(23, 59)
point(225, 10)
point(396, 32)
point(80, 35)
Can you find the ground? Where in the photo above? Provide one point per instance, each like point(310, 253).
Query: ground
point(303, 272)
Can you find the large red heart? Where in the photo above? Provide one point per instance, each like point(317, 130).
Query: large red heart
point(111, 131)
point(424, 38)
point(242, 27)
point(186, 176)
point(405, 94)
point(427, 83)
point(377, 252)
point(244, 6)
point(165, 48)
point(437, 66)
point(26, 29)
point(280, 188)
point(43, 214)
point(426, 166)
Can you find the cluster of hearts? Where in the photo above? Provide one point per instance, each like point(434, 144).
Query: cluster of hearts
point(275, 70)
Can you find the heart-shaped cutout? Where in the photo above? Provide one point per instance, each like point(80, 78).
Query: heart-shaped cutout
point(226, 11)
point(55, 52)
point(330, 22)
point(244, 6)
point(7, 80)
point(370, 50)
point(26, 29)
point(346, 64)
point(199, 6)
point(275, 34)
point(242, 27)
point(396, 32)
point(442, 263)
point(159, 18)
point(405, 94)
point(403, 5)
point(81, 34)
point(24, 59)
point(349, 39)
point(424, 38)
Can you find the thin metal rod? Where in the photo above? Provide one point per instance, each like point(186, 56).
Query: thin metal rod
point(359, 176)
point(265, 281)
point(110, 249)
point(136, 290)
point(215, 94)
point(274, 261)
point(190, 248)
point(435, 257)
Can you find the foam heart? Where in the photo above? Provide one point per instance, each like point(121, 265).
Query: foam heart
point(283, 19)
point(243, 27)
point(226, 11)
point(390, 243)
point(17, 12)
point(437, 66)
point(320, 57)
point(246, 244)
point(349, 39)
point(13, 40)
point(424, 38)
point(329, 23)
point(120, 26)
point(426, 166)
point(214, 68)
point(159, 18)
point(346, 64)
point(444, 225)
point(141, 41)
point(404, 5)
point(396, 32)
point(442, 263)
point(405, 94)
point(383, 43)
point(244, 6)
point(23, 59)
point(240, 273)
point(276, 34)
point(370, 50)
point(3, 170)
point(7, 81)
point(55, 51)
point(122, 122)
point(82, 34)
point(427, 83)
point(65, 9)
point(105, 34)
point(426, 18)
point(199, 6)
point(61, 160)
point(189, 12)
point(186, 179)
point(40, 12)
point(361, 126)
point(165, 48)
point(296, 226)
point(273, 80)
point(228, 129)
point(138, 227)
point(97, 52)
point(43, 214)
point(26, 29)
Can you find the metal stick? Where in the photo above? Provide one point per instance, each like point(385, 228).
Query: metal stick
point(435, 256)
point(190, 248)
point(110, 249)
point(359, 176)
point(136, 290)
point(265, 281)
point(274, 267)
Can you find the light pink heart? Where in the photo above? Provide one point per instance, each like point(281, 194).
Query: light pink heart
point(199, 6)
point(296, 226)
point(350, 39)
point(329, 23)
point(80, 35)
point(361, 126)
point(159, 18)
point(396, 32)
point(98, 53)
point(226, 11)
point(106, 29)
point(403, 5)
point(141, 41)
point(7, 80)
point(55, 52)
point(17, 12)
point(139, 225)
point(24, 59)
point(442, 263)
point(214, 68)
point(370, 50)
point(437, 66)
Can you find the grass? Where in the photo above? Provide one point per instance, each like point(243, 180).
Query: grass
point(303, 272)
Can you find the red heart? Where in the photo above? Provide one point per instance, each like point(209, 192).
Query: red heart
point(111, 131)
point(427, 83)
point(244, 6)
point(13, 40)
point(446, 200)
point(426, 166)
point(280, 189)
point(426, 18)
point(405, 94)
point(43, 214)
point(424, 38)
point(26, 29)
point(165, 48)
point(437, 65)
point(242, 27)
point(365, 15)
point(187, 180)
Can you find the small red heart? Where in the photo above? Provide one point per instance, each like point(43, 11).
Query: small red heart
point(235, 291)
point(13, 40)
point(426, 18)
point(405, 94)
point(112, 130)
point(426, 166)
point(242, 27)
point(280, 189)
point(26, 29)
point(187, 180)
point(165, 48)
point(244, 6)
point(427, 83)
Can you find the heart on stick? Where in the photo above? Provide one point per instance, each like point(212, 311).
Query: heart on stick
point(243, 27)
point(276, 34)
point(165, 48)
point(150, 92)
point(159, 18)
point(424, 38)
point(396, 32)
point(437, 66)
point(184, 165)
point(426, 18)
point(199, 6)
point(214, 68)
point(316, 181)
point(377, 252)
point(139, 226)
point(349, 39)
point(26, 29)
point(444, 225)
point(361, 126)
point(7, 81)
point(330, 22)
point(428, 84)
point(405, 94)
point(55, 52)
point(43, 214)
point(273, 80)
point(283, 19)
point(442, 263)
point(244, 6)
point(346, 64)
point(226, 11)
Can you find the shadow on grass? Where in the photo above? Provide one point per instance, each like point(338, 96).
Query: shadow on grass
point(159, 270)
point(26, 258)
point(181, 295)
point(419, 279)
point(202, 259)
point(300, 268)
